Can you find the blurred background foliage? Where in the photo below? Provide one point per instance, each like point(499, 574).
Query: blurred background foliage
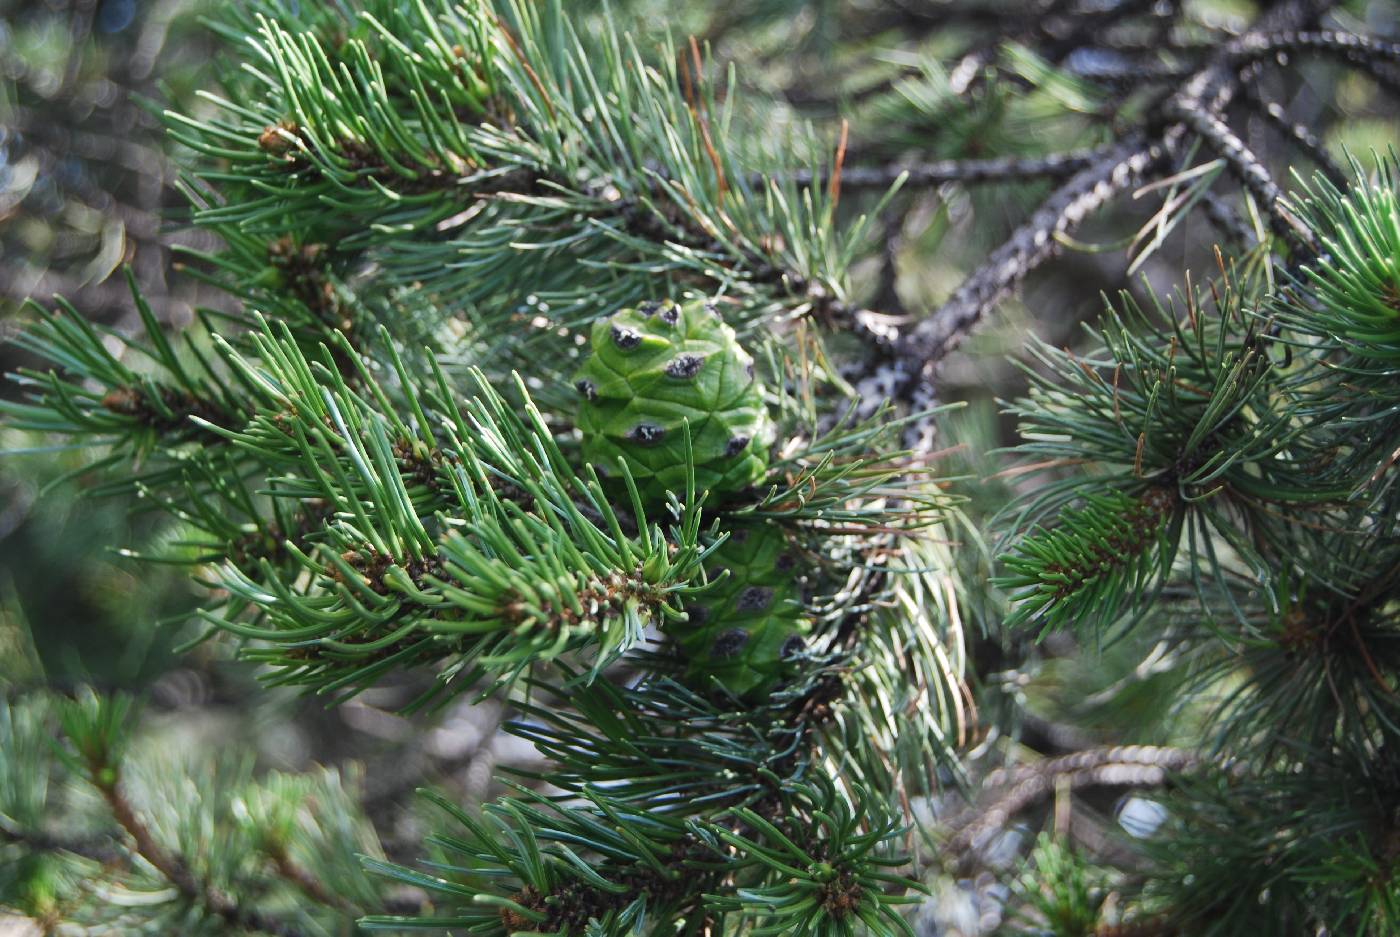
point(88, 184)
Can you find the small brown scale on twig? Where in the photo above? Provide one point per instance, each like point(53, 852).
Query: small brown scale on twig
point(601, 599)
point(1143, 521)
point(136, 403)
point(305, 268)
point(569, 908)
point(513, 920)
point(818, 706)
point(420, 465)
point(281, 140)
point(270, 541)
point(841, 896)
point(1300, 634)
point(427, 177)
point(1390, 295)
point(425, 466)
point(373, 566)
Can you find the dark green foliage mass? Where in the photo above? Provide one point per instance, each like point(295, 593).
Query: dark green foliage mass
point(569, 423)
point(1262, 553)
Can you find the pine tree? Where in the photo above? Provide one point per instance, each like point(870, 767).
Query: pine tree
point(553, 374)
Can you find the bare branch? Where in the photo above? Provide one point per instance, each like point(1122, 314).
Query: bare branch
point(1029, 245)
point(1292, 131)
point(1208, 92)
point(1245, 166)
point(1348, 46)
point(96, 848)
point(999, 169)
point(1023, 786)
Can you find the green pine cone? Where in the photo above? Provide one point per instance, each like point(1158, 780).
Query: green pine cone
point(747, 630)
point(656, 367)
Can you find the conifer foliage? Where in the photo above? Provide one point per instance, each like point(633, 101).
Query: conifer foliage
point(544, 375)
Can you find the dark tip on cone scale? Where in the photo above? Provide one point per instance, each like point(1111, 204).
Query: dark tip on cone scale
point(730, 643)
point(646, 434)
point(624, 338)
point(754, 599)
point(684, 367)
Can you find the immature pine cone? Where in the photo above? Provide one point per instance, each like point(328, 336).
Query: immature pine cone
point(653, 369)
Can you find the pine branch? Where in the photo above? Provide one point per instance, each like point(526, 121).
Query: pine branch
point(526, 159)
point(465, 538)
point(106, 777)
point(1293, 132)
point(520, 870)
point(1198, 410)
point(1270, 852)
point(1356, 295)
point(1133, 75)
point(1243, 163)
point(95, 848)
point(362, 514)
point(1024, 786)
point(1208, 92)
point(100, 397)
point(807, 861)
point(1262, 44)
point(1029, 245)
point(1065, 890)
point(1146, 756)
point(966, 171)
point(307, 883)
point(206, 839)
point(1097, 559)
